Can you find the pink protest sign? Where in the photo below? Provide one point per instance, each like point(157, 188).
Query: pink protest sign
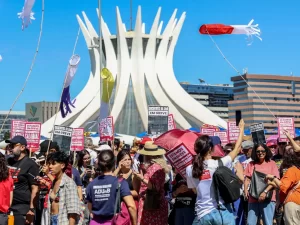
point(33, 134)
point(233, 132)
point(106, 129)
point(171, 122)
point(223, 136)
point(17, 128)
point(180, 157)
point(208, 131)
point(285, 123)
point(77, 141)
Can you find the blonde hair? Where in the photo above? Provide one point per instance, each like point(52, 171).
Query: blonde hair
point(159, 159)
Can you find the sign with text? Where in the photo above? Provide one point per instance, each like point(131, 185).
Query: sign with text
point(158, 119)
point(285, 123)
point(223, 136)
point(208, 131)
point(171, 122)
point(63, 136)
point(233, 132)
point(180, 158)
point(33, 134)
point(258, 133)
point(17, 128)
point(106, 129)
point(77, 141)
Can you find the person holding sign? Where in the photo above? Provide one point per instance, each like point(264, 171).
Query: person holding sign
point(200, 179)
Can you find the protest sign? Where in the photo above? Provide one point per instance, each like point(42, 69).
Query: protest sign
point(285, 123)
point(258, 133)
point(77, 141)
point(17, 128)
point(33, 134)
point(233, 132)
point(63, 136)
point(180, 157)
point(106, 129)
point(157, 120)
point(223, 136)
point(171, 122)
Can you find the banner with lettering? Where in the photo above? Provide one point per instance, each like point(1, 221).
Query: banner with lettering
point(180, 158)
point(157, 120)
point(285, 123)
point(106, 129)
point(223, 137)
point(233, 132)
point(171, 122)
point(77, 141)
point(17, 128)
point(258, 133)
point(33, 135)
point(63, 136)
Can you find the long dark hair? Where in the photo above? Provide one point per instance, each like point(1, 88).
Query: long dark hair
point(202, 146)
point(254, 156)
point(80, 156)
point(3, 168)
point(122, 154)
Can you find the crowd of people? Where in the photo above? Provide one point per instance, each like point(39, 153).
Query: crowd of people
point(114, 183)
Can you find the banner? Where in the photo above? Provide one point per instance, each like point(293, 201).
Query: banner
point(223, 137)
point(258, 133)
point(63, 136)
point(106, 129)
point(33, 134)
point(157, 120)
point(77, 141)
point(285, 123)
point(17, 128)
point(233, 132)
point(171, 122)
point(180, 158)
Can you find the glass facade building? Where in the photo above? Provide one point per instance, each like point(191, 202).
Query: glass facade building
point(14, 115)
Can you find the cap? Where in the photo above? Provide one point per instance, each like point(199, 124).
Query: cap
point(247, 145)
point(271, 143)
point(103, 147)
point(215, 140)
point(16, 140)
point(144, 140)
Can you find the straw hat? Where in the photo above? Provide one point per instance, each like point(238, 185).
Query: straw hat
point(151, 149)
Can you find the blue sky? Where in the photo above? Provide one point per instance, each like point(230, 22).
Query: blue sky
point(195, 55)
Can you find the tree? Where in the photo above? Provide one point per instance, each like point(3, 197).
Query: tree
point(6, 135)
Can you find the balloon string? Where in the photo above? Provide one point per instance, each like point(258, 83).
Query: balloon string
point(238, 72)
point(31, 67)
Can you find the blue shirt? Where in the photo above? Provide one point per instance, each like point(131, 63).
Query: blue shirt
point(76, 177)
point(102, 192)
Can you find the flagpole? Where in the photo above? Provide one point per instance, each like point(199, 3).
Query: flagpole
point(100, 43)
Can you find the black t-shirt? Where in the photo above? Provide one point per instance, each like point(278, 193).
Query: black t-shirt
point(22, 180)
point(187, 199)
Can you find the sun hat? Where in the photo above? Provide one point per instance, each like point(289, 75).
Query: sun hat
point(151, 149)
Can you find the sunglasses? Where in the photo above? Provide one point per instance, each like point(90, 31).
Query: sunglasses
point(260, 151)
point(281, 143)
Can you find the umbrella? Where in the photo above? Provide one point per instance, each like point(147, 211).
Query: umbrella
point(143, 134)
point(173, 138)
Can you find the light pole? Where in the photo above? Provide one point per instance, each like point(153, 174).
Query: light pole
point(100, 42)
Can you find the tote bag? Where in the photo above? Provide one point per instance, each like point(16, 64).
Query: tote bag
point(258, 185)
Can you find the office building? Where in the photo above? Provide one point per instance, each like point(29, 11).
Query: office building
point(214, 97)
point(281, 94)
point(40, 111)
point(14, 115)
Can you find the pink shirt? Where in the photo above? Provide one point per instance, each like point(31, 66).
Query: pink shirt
point(266, 168)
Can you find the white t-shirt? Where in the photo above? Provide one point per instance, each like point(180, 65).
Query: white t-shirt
point(206, 201)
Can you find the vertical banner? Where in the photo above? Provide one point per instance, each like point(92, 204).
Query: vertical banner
point(223, 137)
point(32, 133)
point(157, 120)
point(17, 128)
point(233, 132)
point(106, 129)
point(258, 133)
point(63, 136)
point(171, 122)
point(77, 141)
point(180, 158)
point(285, 123)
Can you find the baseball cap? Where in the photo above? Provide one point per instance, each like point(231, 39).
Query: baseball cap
point(17, 139)
point(247, 145)
point(271, 143)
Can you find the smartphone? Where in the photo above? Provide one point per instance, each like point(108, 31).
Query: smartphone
point(238, 117)
point(32, 176)
point(89, 167)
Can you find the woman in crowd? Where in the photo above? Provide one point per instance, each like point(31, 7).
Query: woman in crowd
point(199, 178)
point(102, 191)
point(124, 162)
point(289, 186)
point(260, 208)
point(152, 174)
point(6, 190)
point(84, 167)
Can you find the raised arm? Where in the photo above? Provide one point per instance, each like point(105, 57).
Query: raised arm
point(296, 147)
point(238, 144)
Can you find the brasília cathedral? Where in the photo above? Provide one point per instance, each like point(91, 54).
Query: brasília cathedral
point(142, 66)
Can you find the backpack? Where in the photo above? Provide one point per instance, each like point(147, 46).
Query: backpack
point(226, 184)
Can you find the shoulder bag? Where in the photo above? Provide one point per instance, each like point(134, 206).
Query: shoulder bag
point(258, 185)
